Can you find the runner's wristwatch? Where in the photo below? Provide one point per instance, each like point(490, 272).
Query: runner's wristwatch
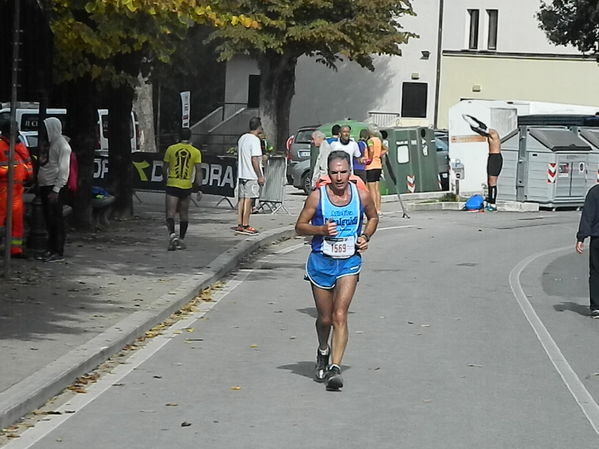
point(366, 236)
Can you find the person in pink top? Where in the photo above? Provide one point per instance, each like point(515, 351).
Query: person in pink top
point(374, 167)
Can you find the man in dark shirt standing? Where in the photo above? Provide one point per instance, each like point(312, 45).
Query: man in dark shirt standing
point(589, 227)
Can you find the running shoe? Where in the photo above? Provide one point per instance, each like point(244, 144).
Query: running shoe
point(54, 257)
point(594, 313)
point(476, 125)
point(180, 244)
point(491, 208)
point(43, 255)
point(172, 242)
point(322, 361)
point(334, 381)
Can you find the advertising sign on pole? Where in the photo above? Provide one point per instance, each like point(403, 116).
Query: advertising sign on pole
point(185, 108)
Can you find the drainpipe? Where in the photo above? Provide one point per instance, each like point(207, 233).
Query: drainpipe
point(439, 53)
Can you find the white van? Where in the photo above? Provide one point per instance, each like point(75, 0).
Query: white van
point(28, 117)
point(102, 131)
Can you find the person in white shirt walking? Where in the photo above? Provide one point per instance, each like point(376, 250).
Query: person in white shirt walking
point(249, 175)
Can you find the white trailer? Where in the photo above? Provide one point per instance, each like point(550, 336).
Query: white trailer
point(467, 149)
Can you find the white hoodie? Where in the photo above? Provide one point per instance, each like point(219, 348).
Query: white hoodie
point(56, 171)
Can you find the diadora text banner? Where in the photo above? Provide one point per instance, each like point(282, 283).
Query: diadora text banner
point(219, 173)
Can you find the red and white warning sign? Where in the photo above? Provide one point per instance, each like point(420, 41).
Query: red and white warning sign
point(551, 172)
point(411, 183)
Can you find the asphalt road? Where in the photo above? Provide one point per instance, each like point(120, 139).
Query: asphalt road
point(467, 331)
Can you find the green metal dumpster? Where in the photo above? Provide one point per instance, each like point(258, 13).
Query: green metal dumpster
point(411, 164)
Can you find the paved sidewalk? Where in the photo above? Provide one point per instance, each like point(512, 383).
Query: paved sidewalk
point(60, 320)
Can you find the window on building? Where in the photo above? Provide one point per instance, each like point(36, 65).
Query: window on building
point(413, 99)
point(493, 15)
point(473, 14)
point(254, 91)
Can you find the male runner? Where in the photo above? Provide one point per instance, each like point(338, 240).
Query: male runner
point(181, 161)
point(494, 161)
point(333, 215)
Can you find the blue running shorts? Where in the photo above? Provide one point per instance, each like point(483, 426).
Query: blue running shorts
point(323, 271)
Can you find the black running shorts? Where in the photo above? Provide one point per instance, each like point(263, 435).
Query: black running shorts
point(373, 175)
point(178, 192)
point(494, 164)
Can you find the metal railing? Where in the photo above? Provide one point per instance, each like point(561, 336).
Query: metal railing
point(384, 119)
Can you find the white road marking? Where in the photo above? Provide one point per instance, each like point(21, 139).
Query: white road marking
point(51, 422)
point(388, 228)
point(290, 249)
point(581, 395)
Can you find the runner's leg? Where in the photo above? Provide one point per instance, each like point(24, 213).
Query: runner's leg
point(183, 216)
point(323, 299)
point(344, 292)
point(171, 209)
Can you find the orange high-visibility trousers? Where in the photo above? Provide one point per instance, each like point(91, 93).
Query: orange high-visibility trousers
point(18, 216)
point(23, 171)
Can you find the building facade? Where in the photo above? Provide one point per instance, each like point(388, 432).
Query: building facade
point(495, 50)
point(467, 49)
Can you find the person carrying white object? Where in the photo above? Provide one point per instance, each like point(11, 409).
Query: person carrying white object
point(494, 160)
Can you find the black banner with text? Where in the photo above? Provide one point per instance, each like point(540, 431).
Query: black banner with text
point(219, 173)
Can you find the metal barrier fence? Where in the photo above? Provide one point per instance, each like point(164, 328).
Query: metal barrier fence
point(384, 119)
point(272, 194)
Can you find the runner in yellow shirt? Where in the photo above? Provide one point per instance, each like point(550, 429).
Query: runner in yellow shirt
point(183, 172)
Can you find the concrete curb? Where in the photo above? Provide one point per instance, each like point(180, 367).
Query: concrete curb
point(35, 390)
point(417, 202)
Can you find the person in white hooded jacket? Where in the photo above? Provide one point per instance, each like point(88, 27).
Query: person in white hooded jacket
point(52, 177)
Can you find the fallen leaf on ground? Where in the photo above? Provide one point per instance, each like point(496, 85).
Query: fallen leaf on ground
point(236, 388)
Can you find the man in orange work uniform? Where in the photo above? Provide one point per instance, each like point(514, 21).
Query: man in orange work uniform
point(23, 172)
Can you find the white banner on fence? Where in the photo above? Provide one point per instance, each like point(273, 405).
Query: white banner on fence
point(185, 108)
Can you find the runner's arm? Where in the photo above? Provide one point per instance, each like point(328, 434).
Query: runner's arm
point(371, 225)
point(199, 174)
point(303, 225)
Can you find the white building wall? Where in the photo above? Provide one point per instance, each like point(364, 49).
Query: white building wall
point(236, 83)
point(518, 27)
point(323, 95)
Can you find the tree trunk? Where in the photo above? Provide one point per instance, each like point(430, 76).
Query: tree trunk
point(120, 100)
point(82, 121)
point(143, 106)
point(277, 87)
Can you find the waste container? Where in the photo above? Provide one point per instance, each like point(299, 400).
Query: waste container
point(591, 136)
point(545, 164)
point(411, 164)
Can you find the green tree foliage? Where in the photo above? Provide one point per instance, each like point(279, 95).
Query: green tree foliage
point(572, 22)
point(330, 30)
point(193, 67)
point(107, 42)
